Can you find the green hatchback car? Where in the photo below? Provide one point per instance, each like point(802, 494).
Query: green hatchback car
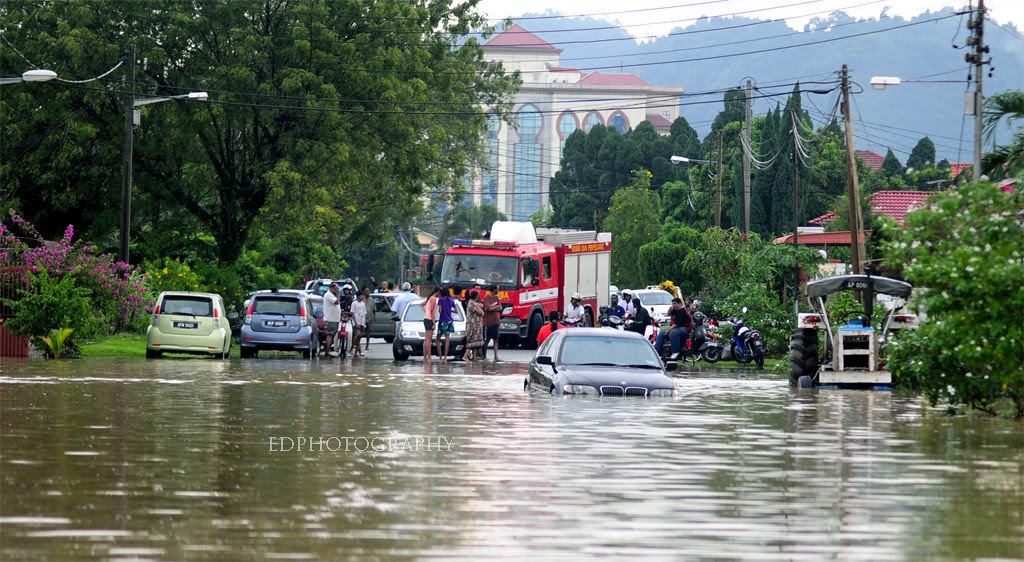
point(187, 322)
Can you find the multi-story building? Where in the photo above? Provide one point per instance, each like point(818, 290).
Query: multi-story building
point(553, 102)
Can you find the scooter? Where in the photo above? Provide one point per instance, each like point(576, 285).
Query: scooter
point(697, 343)
point(746, 344)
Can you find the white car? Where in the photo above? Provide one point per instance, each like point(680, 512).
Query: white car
point(656, 301)
point(409, 332)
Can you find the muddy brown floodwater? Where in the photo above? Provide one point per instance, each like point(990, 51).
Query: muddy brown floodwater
point(270, 458)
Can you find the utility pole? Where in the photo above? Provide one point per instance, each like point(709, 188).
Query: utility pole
point(852, 185)
point(975, 105)
point(718, 196)
point(126, 174)
point(746, 162)
point(796, 217)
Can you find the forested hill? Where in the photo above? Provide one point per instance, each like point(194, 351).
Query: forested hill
point(712, 54)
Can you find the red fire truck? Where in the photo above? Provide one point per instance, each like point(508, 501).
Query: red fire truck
point(536, 271)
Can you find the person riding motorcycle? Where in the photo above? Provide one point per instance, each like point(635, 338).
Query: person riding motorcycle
point(640, 320)
point(574, 312)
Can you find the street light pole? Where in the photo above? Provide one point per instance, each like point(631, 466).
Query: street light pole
point(130, 104)
point(126, 170)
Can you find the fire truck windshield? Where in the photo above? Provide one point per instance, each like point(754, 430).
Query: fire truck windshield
point(467, 269)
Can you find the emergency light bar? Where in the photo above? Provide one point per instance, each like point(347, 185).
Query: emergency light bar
point(499, 244)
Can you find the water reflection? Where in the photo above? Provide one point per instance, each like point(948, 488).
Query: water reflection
point(177, 460)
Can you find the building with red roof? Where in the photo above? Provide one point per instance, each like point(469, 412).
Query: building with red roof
point(552, 102)
point(894, 204)
point(871, 158)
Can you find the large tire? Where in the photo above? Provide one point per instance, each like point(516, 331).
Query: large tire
point(712, 354)
point(536, 321)
point(399, 354)
point(389, 339)
point(245, 352)
point(803, 354)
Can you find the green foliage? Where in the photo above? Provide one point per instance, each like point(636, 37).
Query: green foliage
point(319, 136)
point(964, 252)
point(469, 222)
point(633, 221)
point(53, 303)
point(56, 342)
point(1006, 160)
point(171, 275)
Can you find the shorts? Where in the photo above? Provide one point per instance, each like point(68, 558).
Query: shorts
point(491, 332)
point(332, 327)
point(428, 324)
point(445, 328)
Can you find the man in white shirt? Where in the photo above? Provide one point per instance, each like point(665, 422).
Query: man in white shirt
point(574, 311)
point(332, 316)
point(627, 303)
point(403, 299)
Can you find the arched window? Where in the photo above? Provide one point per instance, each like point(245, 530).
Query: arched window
point(592, 119)
point(527, 175)
point(489, 174)
point(566, 126)
point(619, 122)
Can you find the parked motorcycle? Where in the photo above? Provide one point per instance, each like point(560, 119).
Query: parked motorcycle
point(746, 344)
point(697, 345)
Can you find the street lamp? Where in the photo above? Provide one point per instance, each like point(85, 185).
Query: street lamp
point(34, 75)
point(132, 118)
point(684, 160)
point(972, 106)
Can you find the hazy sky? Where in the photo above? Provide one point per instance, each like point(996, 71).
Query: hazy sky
point(658, 17)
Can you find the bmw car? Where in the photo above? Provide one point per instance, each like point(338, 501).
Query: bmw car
point(599, 362)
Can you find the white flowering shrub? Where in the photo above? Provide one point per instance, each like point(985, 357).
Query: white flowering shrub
point(964, 251)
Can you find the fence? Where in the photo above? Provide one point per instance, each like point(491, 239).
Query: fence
point(13, 277)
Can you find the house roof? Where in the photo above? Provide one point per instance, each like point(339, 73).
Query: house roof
point(871, 158)
point(840, 238)
point(957, 167)
point(894, 204)
point(658, 121)
point(519, 37)
point(596, 77)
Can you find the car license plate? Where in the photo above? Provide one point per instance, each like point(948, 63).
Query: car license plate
point(275, 323)
point(186, 325)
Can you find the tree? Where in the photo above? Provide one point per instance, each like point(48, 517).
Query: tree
point(468, 222)
point(921, 158)
point(362, 115)
point(891, 166)
point(633, 220)
point(1009, 104)
point(964, 250)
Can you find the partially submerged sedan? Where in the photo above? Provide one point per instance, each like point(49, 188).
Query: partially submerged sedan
point(599, 361)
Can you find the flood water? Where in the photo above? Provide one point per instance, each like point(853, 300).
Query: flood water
point(202, 459)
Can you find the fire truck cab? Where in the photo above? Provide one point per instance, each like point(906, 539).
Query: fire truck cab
point(535, 271)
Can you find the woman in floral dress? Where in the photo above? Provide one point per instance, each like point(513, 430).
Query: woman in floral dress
point(474, 325)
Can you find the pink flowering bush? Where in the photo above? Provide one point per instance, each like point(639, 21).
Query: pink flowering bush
point(118, 294)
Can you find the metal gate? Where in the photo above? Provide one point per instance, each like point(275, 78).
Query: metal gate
point(12, 278)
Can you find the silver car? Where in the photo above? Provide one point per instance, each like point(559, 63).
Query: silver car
point(281, 321)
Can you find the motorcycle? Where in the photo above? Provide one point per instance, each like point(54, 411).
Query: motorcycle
point(746, 344)
point(610, 320)
point(698, 344)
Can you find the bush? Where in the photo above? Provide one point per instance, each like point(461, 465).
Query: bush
point(114, 291)
point(53, 304)
point(964, 251)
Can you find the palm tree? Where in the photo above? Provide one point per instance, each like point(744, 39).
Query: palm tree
point(1009, 104)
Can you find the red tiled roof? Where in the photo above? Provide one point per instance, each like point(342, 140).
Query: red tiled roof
point(956, 168)
point(894, 204)
point(840, 238)
point(518, 36)
point(822, 219)
point(658, 121)
point(563, 69)
point(596, 77)
point(871, 158)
